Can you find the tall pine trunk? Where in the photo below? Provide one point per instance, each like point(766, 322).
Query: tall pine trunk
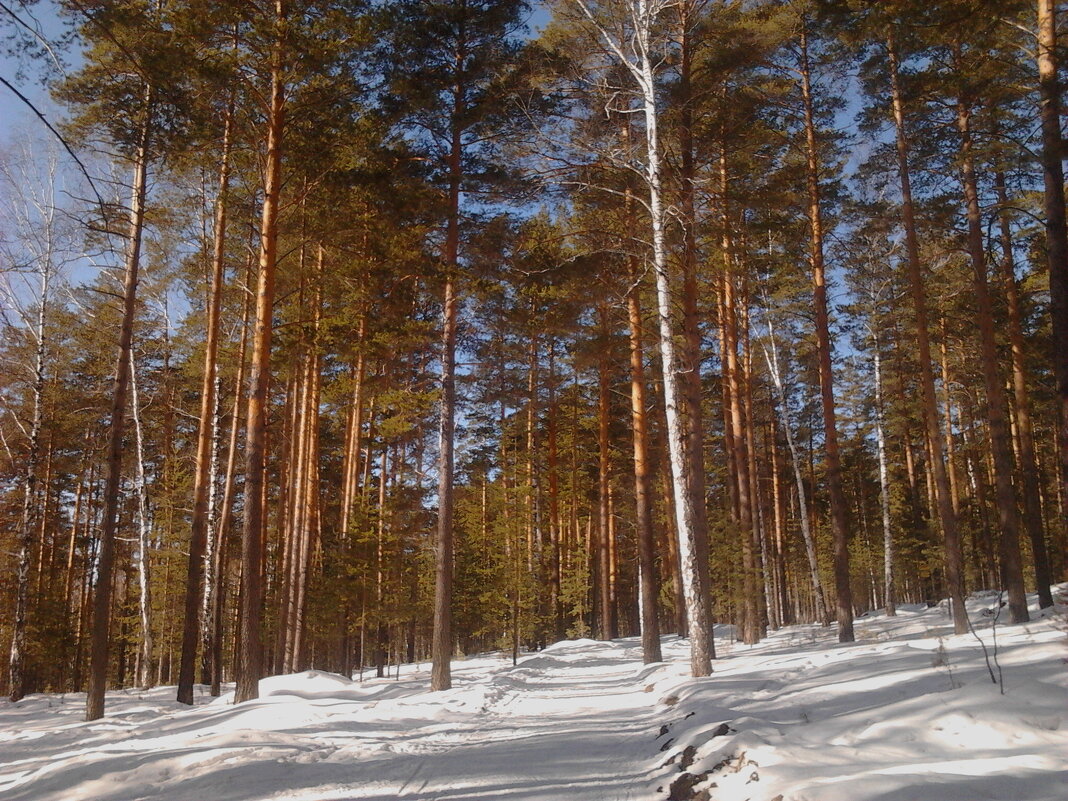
point(101, 626)
point(250, 636)
point(997, 404)
point(947, 516)
point(691, 325)
point(1056, 227)
point(1032, 499)
point(839, 507)
point(604, 513)
point(202, 471)
point(650, 625)
point(441, 639)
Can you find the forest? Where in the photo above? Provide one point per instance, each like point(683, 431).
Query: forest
point(343, 334)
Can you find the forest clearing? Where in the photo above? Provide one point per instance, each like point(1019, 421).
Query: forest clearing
point(908, 712)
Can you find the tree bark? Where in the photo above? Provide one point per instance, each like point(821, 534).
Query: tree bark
point(1032, 500)
point(555, 532)
point(441, 640)
point(250, 637)
point(947, 515)
point(28, 522)
point(884, 481)
point(642, 66)
point(202, 473)
point(697, 601)
point(100, 636)
point(1056, 228)
point(309, 480)
point(650, 625)
point(604, 544)
point(691, 324)
point(819, 596)
point(839, 508)
point(143, 537)
point(997, 405)
point(226, 512)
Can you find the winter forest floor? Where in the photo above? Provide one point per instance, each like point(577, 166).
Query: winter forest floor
point(907, 713)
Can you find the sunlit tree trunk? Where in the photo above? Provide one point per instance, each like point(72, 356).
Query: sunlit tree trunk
point(144, 536)
point(997, 405)
point(649, 590)
point(441, 644)
point(839, 508)
point(100, 636)
point(1056, 228)
point(28, 521)
point(884, 481)
point(194, 593)
point(604, 545)
point(1032, 501)
point(771, 356)
point(249, 645)
point(638, 56)
point(947, 516)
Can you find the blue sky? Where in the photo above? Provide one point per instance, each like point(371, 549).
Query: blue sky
point(12, 110)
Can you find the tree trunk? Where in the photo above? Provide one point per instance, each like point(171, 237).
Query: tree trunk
point(759, 580)
point(642, 492)
point(1032, 500)
point(354, 435)
point(839, 509)
point(226, 512)
point(642, 65)
point(98, 666)
point(28, 522)
point(211, 558)
point(604, 544)
point(884, 481)
point(380, 577)
point(691, 325)
point(441, 641)
point(555, 534)
point(144, 536)
point(771, 356)
point(784, 616)
point(250, 636)
point(202, 472)
point(997, 405)
point(309, 480)
point(1056, 228)
point(947, 516)
point(697, 601)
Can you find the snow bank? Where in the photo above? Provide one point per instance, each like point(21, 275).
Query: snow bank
point(908, 713)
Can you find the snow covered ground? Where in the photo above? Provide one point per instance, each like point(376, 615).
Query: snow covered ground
point(907, 713)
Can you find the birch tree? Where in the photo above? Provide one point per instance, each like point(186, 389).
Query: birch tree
point(36, 249)
point(632, 32)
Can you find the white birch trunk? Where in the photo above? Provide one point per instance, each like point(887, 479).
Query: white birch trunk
point(884, 483)
point(635, 52)
point(144, 532)
point(211, 541)
point(772, 359)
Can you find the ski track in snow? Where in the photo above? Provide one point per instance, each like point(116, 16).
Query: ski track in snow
point(908, 713)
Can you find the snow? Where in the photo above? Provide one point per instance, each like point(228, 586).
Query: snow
point(907, 713)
